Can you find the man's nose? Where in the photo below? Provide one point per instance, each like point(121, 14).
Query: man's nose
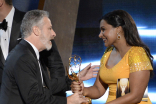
point(53, 33)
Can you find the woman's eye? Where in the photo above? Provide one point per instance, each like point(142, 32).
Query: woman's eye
point(102, 30)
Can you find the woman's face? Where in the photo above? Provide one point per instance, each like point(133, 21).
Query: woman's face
point(108, 33)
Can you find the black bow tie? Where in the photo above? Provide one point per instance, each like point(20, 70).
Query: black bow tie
point(3, 25)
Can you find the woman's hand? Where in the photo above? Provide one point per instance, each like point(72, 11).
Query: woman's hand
point(77, 87)
point(89, 72)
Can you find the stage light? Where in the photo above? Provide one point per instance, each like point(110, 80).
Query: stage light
point(154, 56)
point(147, 33)
point(141, 27)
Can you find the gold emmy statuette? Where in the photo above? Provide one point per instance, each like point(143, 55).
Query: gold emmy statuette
point(74, 69)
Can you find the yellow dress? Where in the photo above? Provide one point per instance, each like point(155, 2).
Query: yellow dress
point(134, 60)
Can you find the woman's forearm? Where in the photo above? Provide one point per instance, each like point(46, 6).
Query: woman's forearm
point(93, 92)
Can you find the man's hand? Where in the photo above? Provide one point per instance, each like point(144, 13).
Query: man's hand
point(76, 98)
point(89, 72)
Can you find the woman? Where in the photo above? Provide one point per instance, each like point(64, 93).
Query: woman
point(126, 57)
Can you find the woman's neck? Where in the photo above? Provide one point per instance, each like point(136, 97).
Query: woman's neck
point(122, 49)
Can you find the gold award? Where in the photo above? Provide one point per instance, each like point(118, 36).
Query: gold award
point(74, 69)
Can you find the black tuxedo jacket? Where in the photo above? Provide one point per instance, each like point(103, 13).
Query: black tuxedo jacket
point(21, 82)
point(15, 34)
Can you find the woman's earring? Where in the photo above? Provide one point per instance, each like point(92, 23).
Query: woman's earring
point(118, 36)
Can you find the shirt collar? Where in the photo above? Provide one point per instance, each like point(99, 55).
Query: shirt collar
point(35, 49)
point(9, 17)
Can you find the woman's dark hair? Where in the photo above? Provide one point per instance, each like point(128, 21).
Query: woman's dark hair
point(122, 18)
point(9, 2)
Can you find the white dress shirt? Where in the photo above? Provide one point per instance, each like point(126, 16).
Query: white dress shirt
point(5, 35)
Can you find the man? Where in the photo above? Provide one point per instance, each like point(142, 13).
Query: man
point(25, 79)
point(9, 38)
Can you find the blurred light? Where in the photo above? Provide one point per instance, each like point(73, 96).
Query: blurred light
point(152, 97)
point(147, 33)
point(154, 56)
point(141, 27)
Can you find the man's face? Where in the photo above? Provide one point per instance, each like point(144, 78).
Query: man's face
point(47, 33)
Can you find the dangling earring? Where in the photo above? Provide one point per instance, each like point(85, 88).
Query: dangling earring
point(118, 36)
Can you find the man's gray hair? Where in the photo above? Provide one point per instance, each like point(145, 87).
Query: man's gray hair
point(31, 19)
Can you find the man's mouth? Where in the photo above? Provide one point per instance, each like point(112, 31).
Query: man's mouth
point(51, 39)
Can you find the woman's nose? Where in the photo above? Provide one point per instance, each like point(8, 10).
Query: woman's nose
point(100, 35)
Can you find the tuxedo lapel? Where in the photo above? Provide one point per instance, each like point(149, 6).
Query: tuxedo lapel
point(2, 60)
point(15, 31)
point(1, 65)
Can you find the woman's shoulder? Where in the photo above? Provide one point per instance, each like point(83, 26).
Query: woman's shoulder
point(136, 50)
point(137, 54)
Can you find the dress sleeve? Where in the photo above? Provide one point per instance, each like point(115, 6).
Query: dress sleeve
point(138, 60)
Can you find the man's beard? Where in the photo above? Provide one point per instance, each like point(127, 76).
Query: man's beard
point(45, 41)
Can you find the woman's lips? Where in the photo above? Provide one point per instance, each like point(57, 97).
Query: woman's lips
point(104, 40)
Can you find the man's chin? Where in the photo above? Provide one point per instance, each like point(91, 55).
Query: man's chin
point(49, 47)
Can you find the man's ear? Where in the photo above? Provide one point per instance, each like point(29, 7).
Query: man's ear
point(36, 30)
point(1, 3)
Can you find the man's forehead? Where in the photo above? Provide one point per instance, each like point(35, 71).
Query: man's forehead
point(47, 21)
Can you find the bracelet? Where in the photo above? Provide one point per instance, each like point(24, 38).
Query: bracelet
point(89, 100)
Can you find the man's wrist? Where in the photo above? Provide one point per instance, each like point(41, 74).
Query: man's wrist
point(69, 100)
